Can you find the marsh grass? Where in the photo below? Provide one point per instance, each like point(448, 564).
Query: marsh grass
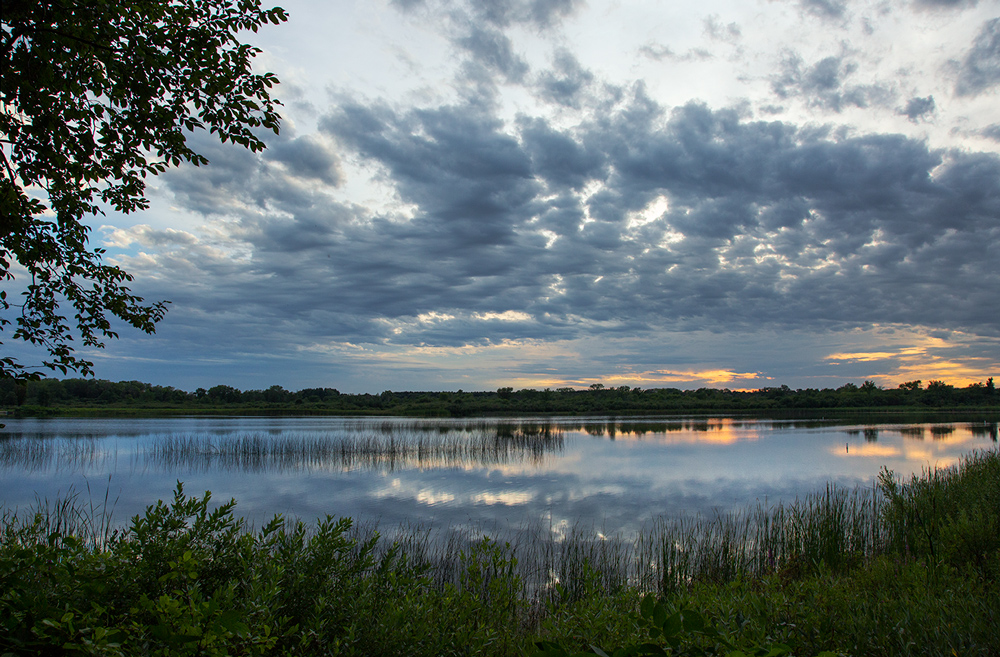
point(365, 444)
point(35, 454)
point(833, 530)
point(378, 450)
point(90, 520)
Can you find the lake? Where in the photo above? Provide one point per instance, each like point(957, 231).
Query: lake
point(612, 474)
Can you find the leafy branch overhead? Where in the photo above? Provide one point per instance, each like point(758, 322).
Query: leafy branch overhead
point(95, 97)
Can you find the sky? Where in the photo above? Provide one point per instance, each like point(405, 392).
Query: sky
point(549, 193)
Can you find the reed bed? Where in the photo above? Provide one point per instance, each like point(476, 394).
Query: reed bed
point(91, 521)
point(834, 529)
point(34, 454)
point(384, 448)
point(837, 527)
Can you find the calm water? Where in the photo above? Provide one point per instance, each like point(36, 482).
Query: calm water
point(614, 474)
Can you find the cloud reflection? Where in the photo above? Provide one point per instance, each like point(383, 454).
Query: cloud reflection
point(610, 473)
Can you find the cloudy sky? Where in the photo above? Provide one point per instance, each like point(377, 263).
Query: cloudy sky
point(545, 193)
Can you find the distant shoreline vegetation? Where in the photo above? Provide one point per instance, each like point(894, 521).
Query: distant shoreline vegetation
point(82, 397)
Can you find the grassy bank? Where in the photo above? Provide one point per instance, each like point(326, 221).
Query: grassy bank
point(902, 568)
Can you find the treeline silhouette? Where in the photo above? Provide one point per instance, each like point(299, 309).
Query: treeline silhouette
point(47, 395)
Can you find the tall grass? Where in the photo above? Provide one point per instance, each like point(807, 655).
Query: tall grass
point(948, 513)
point(89, 520)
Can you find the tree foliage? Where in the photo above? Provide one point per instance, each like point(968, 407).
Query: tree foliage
point(95, 97)
point(91, 393)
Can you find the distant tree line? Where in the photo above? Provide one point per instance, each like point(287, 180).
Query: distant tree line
point(35, 396)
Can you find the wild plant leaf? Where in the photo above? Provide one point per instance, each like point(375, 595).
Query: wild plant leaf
point(647, 606)
point(672, 626)
point(693, 621)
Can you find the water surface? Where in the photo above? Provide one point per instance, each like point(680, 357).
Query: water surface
point(613, 474)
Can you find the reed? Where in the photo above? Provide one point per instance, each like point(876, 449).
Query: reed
point(37, 454)
point(834, 530)
point(383, 448)
point(89, 520)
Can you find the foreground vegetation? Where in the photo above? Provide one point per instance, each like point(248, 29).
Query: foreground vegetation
point(904, 568)
point(89, 396)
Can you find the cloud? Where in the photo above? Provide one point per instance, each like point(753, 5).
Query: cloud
point(716, 31)
point(566, 83)
point(660, 53)
point(991, 132)
point(829, 9)
point(493, 50)
point(918, 108)
point(946, 4)
point(560, 159)
point(927, 358)
point(825, 84)
point(546, 224)
point(307, 157)
point(540, 14)
point(633, 220)
point(980, 70)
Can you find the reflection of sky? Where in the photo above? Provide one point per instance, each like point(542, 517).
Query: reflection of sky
point(589, 477)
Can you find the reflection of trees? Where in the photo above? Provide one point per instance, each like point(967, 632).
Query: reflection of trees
point(611, 428)
point(984, 429)
point(939, 432)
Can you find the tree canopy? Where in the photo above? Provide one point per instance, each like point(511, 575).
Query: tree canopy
point(94, 97)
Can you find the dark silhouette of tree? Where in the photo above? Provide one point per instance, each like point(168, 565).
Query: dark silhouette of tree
point(94, 98)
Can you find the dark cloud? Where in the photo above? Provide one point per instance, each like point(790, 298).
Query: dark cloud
point(559, 158)
point(566, 83)
point(540, 14)
point(635, 219)
point(980, 70)
point(479, 30)
point(486, 172)
point(407, 5)
point(946, 4)
point(825, 84)
point(308, 158)
point(831, 9)
point(991, 132)
point(918, 108)
point(494, 51)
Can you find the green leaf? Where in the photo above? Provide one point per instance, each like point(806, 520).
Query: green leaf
point(672, 626)
point(693, 621)
point(647, 605)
